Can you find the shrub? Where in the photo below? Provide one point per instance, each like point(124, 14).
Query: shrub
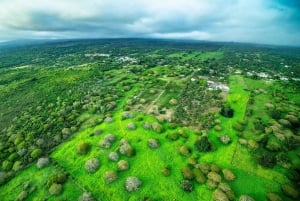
point(166, 171)
point(203, 144)
point(127, 150)
point(273, 145)
point(92, 165)
point(158, 128)
point(36, 153)
point(184, 151)
point(107, 141)
point(224, 187)
point(228, 175)
point(245, 198)
point(86, 196)
point(199, 176)
point(187, 185)
point(127, 115)
point(123, 165)
point(108, 120)
point(42, 162)
point(230, 194)
point(59, 178)
point(225, 139)
point(273, 197)
point(267, 159)
point(204, 167)
point(113, 156)
point(131, 126)
point(153, 143)
point(219, 195)
point(83, 148)
point(187, 173)
point(227, 111)
point(173, 136)
point(217, 127)
point(6, 165)
point(132, 184)
point(211, 184)
point(55, 189)
point(147, 126)
point(290, 191)
point(3, 178)
point(110, 138)
point(22, 196)
point(215, 168)
point(17, 166)
point(110, 176)
point(214, 177)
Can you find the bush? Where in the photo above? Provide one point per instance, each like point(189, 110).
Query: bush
point(42, 162)
point(127, 115)
point(153, 143)
point(245, 198)
point(215, 168)
point(3, 178)
point(36, 153)
point(290, 191)
point(127, 150)
point(22, 196)
point(92, 165)
point(199, 176)
point(211, 184)
point(228, 175)
point(204, 167)
point(184, 151)
point(110, 176)
point(6, 165)
point(173, 136)
point(267, 159)
point(59, 178)
point(224, 187)
point(273, 197)
point(123, 165)
point(225, 139)
point(187, 173)
point(166, 171)
point(214, 177)
point(55, 189)
point(147, 126)
point(227, 111)
point(107, 141)
point(158, 128)
point(83, 148)
point(132, 184)
point(203, 144)
point(17, 166)
point(273, 145)
point(131, 126)
point(219, 195)
point(86, 196)
point(187, 185)
point(113, 156)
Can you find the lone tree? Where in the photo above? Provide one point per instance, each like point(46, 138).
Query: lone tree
point(227, 111)
point(203, 144)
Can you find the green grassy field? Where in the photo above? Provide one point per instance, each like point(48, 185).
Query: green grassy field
point(148, 163)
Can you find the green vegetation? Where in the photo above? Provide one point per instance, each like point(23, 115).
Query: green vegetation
point(144, 120)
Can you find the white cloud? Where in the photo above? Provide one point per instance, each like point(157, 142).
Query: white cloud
point(263, 21)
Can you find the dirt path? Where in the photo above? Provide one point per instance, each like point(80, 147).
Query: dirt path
point(150, 106)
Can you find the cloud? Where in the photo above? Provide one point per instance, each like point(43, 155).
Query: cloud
point(260, 21)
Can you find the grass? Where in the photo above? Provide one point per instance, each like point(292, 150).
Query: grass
point(37, 179)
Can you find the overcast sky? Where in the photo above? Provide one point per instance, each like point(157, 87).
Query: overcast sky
point(257, 21)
